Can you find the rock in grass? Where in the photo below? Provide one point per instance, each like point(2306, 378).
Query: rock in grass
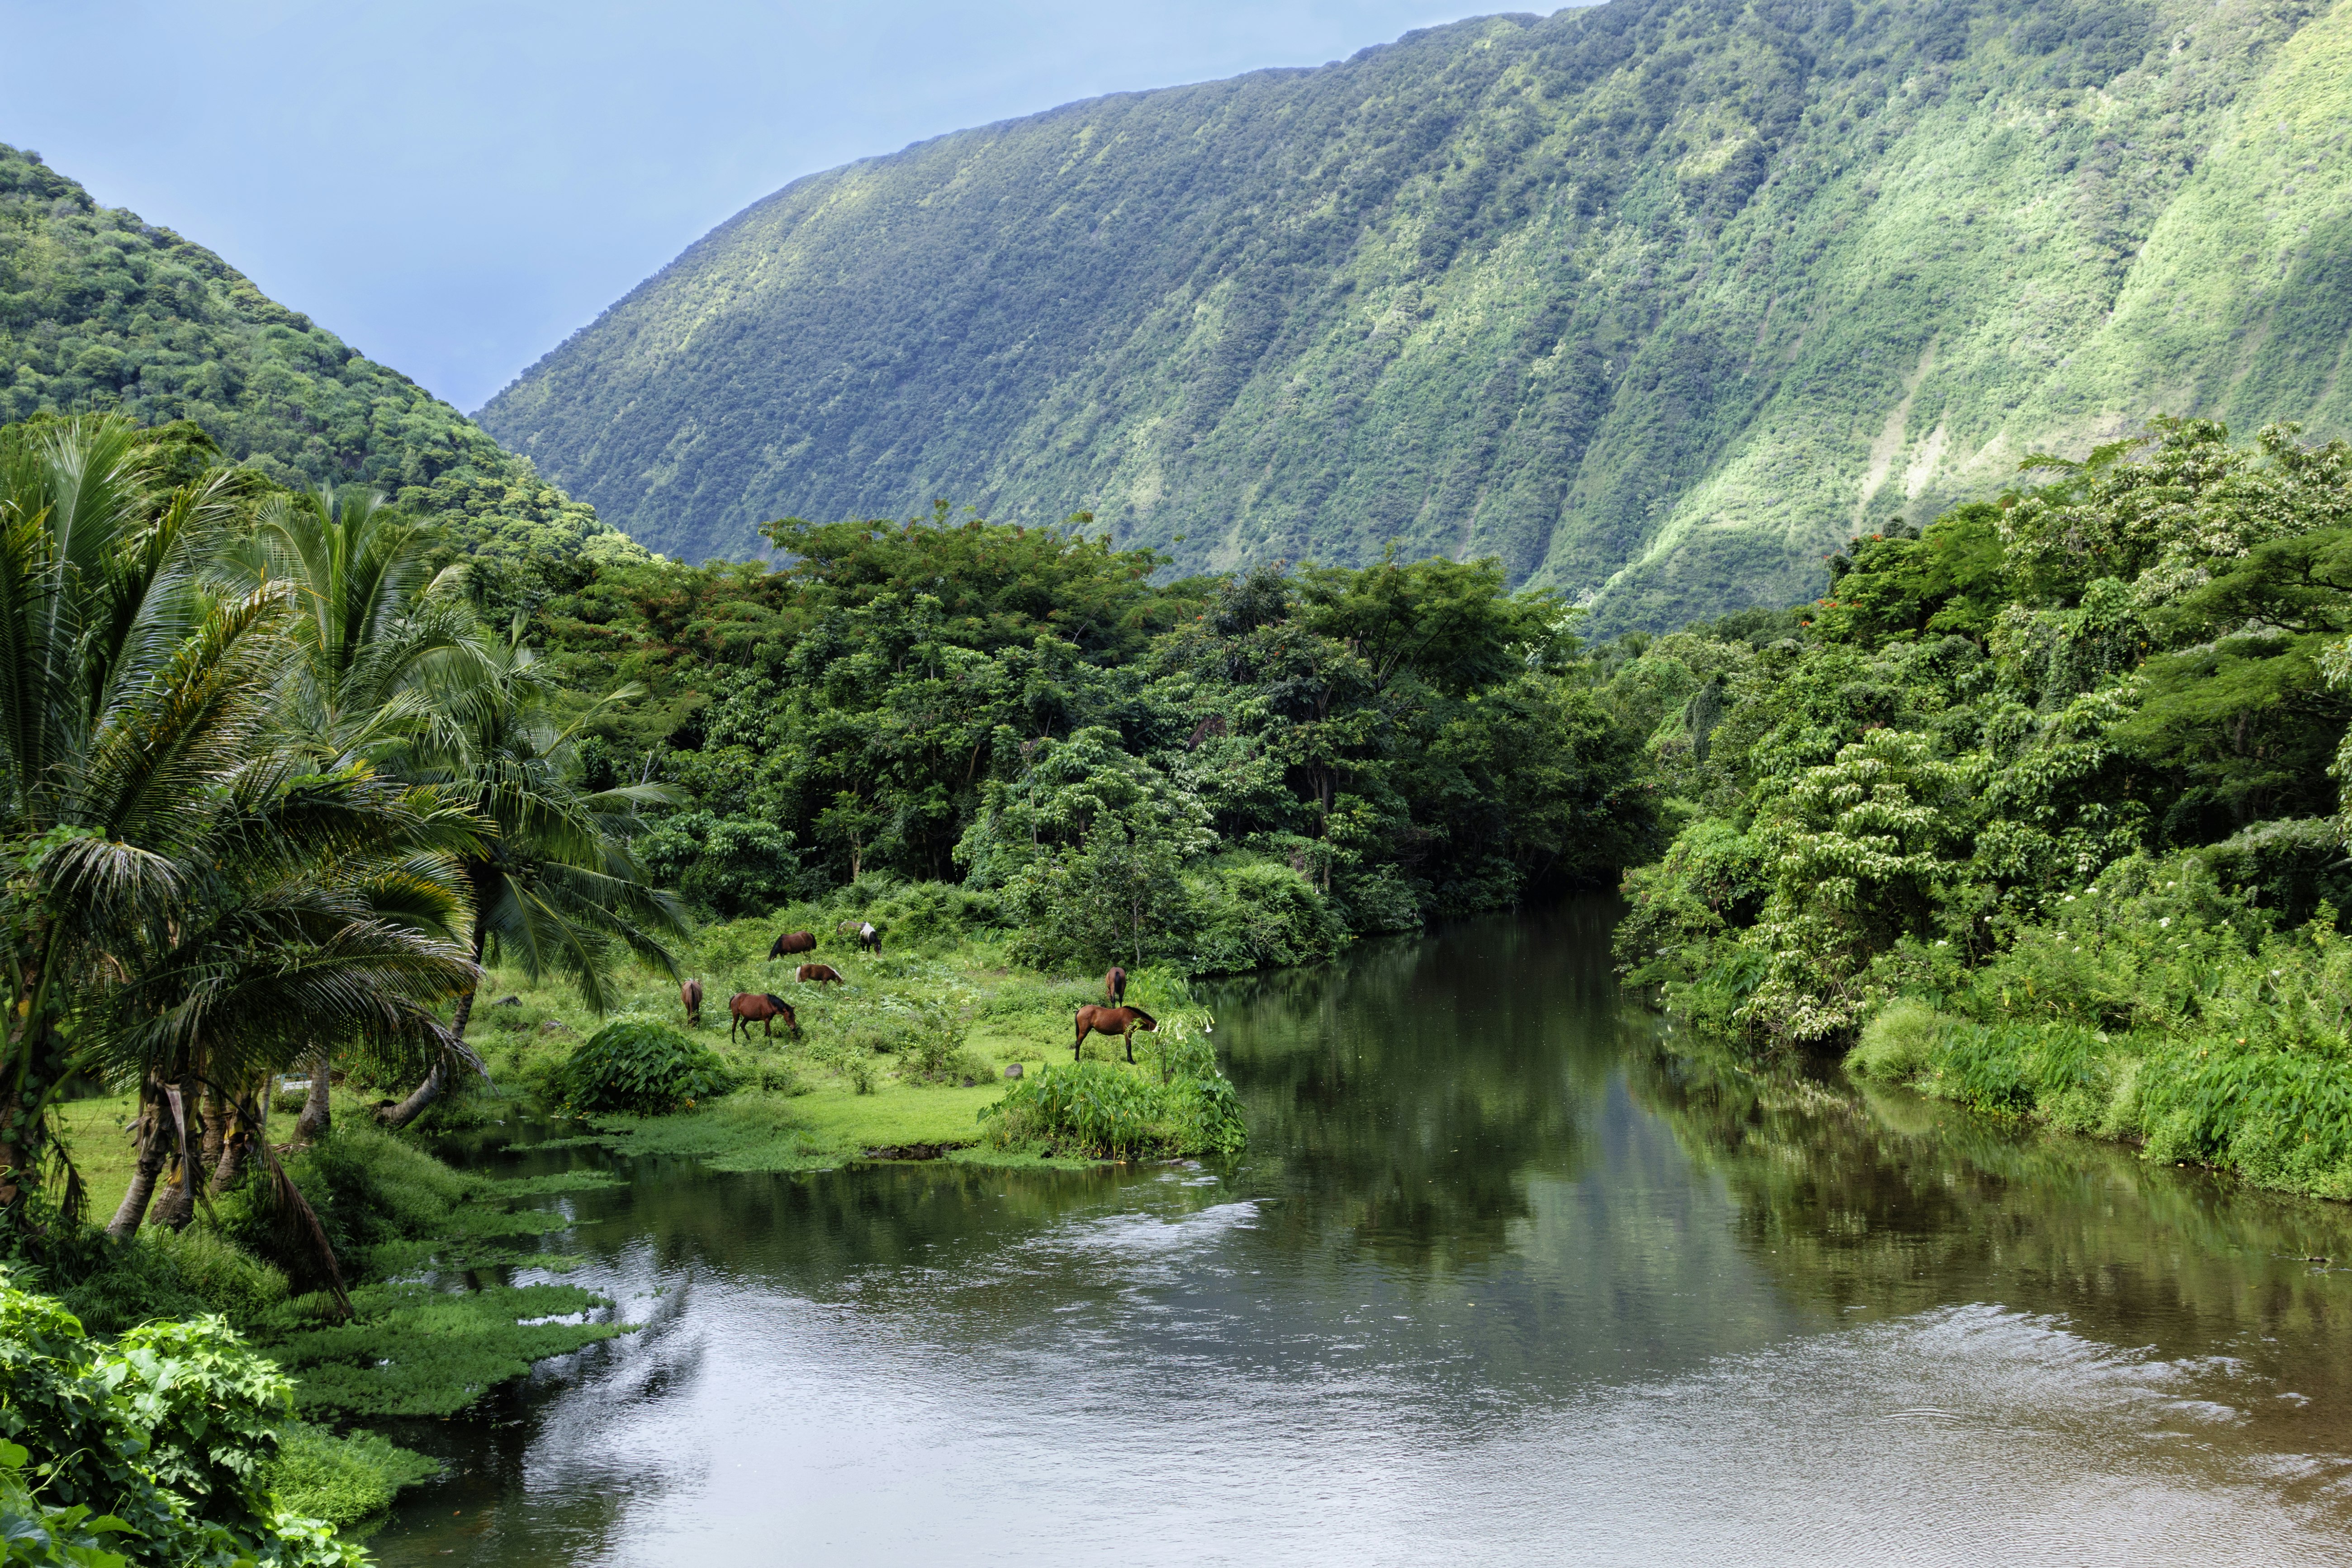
point(1013, 1071)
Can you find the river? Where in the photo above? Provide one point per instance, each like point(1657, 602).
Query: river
point(1505, 1277)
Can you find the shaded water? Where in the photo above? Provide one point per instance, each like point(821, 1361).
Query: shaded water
point(1503, 1278)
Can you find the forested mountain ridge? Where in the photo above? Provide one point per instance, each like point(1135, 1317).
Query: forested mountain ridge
point(1657, 299)
point(100, 310)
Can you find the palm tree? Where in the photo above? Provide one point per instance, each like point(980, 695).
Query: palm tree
point(385, 651)
point(558, 890)
point(168, 869)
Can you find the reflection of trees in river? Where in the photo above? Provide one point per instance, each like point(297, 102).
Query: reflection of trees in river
point(1406, 1096)
point(1866, 1197)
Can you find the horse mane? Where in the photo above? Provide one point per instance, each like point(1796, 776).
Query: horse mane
point(1145, 1016)
point(776, 1000)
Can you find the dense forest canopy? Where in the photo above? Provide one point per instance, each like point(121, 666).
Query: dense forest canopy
point(2041, 805)
point(1246, 769)
point(1656, 300)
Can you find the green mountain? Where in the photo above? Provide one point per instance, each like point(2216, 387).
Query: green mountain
point(99, 310)
point(1658, 301)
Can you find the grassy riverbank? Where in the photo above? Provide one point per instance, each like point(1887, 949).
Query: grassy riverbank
point(900, 1059)
point(455, 1281)
point(2157, 1007)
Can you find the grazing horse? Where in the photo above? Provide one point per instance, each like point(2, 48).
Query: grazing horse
point(869, 939)
point(820, 974)
point(793, 941)
point(1115, 985)
point(689, 996)
point(750, 1007)
point(1120, 1021)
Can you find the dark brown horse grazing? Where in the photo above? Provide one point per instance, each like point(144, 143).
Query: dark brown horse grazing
point(820, 974)
point(689, 996)
point(1115, 985)
point(750, 1007)
point(793, 941)
point(1120, 1021)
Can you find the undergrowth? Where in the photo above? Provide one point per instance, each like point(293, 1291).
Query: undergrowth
point(2153, 1007)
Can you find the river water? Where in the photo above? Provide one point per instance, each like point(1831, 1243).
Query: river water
point(1505, 1277)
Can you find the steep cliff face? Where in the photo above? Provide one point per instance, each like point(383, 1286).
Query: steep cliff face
point(1656, 300)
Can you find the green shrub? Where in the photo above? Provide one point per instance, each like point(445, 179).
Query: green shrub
point(1107, 1111)
point(922, 915)
point(172, 1430)
point(222, 1275)
point(931, 1041)
point(168, 1274)
point(130, 1285)
point(1251, 913)
point(640, 1066)
point(1899, 1043)
point(344, 1481)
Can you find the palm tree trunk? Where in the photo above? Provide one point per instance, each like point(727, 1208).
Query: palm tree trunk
point(426, 1093)
point(237, 1135)
point(318, 1115)
point(215, 1128)
point(177, 1207)
point(153, 1139)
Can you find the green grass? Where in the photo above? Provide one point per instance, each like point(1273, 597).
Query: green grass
point(802, 1107)
point(348, 1480)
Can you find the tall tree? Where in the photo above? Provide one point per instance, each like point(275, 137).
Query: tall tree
point(558, 890)
point(387, 650)
point(146, 809)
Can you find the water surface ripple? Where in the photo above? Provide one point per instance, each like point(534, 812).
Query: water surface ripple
point(1507, 1276)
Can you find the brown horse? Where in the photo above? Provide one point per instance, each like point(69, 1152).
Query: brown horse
point(689, 996)
point(793, 941)
point(818, 973)
point(750, 1007)
point(1120, 1021)
point(1115, 985)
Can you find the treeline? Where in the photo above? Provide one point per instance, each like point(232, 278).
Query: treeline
point(2038, 808)
point(1220, 772)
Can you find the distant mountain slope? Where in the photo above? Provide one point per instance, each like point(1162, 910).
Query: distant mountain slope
point(98, 311)
point(1658, 300)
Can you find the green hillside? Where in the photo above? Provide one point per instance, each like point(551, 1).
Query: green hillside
point(1657, 299)
point(100, 310)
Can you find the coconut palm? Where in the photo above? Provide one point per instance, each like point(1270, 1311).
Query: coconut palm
point(169, 870)
point(384, 650)
point(557, 892)
point(384, 647)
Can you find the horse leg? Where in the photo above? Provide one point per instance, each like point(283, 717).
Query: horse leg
point(1078, 1046)
point(1131, 1045)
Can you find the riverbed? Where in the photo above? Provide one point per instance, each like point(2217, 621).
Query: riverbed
point(1510, 1273)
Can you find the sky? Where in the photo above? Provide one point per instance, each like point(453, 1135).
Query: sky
point(454, 188)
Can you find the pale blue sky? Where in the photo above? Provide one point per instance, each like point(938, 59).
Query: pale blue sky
point(453, 187)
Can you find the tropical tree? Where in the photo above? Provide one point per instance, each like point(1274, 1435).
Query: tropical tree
point(559, 889)
point(386, 650)
point(178, 888)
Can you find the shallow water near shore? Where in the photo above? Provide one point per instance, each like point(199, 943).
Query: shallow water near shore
point(1505, 1276)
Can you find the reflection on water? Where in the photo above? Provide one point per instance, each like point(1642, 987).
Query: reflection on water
point(1504, 1276)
